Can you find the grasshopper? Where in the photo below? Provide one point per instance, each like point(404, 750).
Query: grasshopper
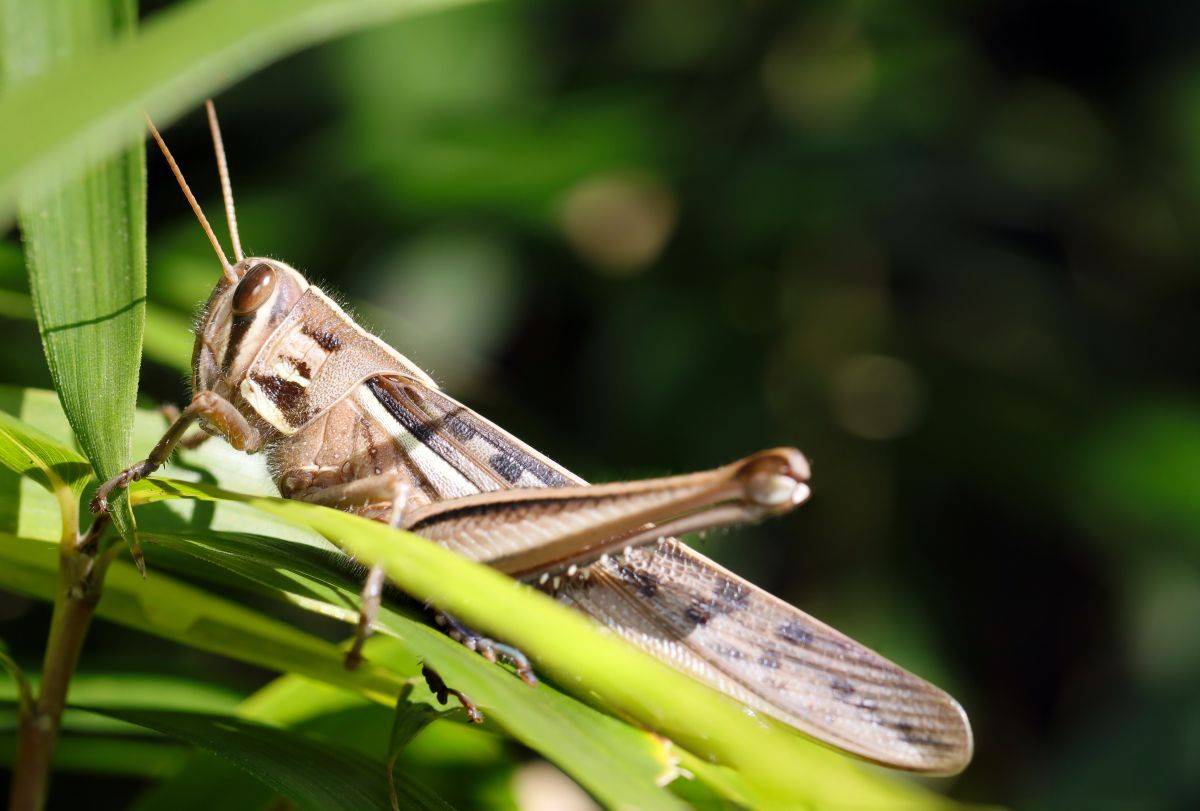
point(347, 421)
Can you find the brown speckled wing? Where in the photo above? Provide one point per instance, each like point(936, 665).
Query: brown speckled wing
point(706, 621)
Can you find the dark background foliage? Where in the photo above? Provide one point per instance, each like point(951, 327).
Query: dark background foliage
point(946, 249)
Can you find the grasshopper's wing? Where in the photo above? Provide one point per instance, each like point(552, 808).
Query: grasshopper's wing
point(706, 621)
point(686, 610)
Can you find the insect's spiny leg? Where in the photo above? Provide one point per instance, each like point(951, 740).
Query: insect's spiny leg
point(192, 440)
point(372, 599)
point(207, 405)
point(364, 491)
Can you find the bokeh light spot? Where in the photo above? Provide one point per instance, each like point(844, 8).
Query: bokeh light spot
point(876, 397)
point(619, 222)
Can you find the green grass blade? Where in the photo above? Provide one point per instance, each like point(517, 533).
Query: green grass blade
point(104, 754)
point(85, 237)
point(93, 744)
point(442, 755)
point(29, 452)
point(619, 764)
point(313, 773)
point(205, 782)
point(410, 718)
point(785, 767)
point(182, 55)
point(165, 607)
point(141, 689)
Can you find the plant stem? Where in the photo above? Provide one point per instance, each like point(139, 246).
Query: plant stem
point(80, 582)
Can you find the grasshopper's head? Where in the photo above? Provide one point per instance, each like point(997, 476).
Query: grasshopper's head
point(251, 299)
point(244, 309)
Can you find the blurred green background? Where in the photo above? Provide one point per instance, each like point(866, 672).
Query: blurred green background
point(947, 249)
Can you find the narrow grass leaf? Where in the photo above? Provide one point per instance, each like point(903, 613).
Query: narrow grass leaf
point(441, 755)
point(29, 452)
point(785, 767)
point(621, 765)
point(167, 608)
point(107, 755)
point(409, 719)
point(60, 471)
point(85, 236)
point(313, 773)
point(182, 54)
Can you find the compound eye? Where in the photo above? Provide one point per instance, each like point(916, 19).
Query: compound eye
point(254, 289)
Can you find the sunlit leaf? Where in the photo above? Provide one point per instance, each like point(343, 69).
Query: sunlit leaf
point(441, 754)
point(568, 648)
point(180, 56)
point(165, 607)
point(616, 762)
point(84, 231)
point(313, 773)
point(28, 452)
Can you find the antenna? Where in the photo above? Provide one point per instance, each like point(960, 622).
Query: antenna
point(226, 186)
point(226, 268)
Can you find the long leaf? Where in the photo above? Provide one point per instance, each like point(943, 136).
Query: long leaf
point(107, 754)
point(177, 611)
point(621, 765)
point(181, 56)
point(85, 236)
point(441, 755)
point(313, 773)
point(60, 471)
point(786, 767)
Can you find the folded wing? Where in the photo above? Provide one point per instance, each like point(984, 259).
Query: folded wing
point(686, 610)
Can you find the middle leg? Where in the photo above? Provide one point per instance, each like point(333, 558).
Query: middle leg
point(385, 497)
point(386, 490)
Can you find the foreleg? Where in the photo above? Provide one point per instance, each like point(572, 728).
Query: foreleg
point(213, 409)
point(191, 440)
